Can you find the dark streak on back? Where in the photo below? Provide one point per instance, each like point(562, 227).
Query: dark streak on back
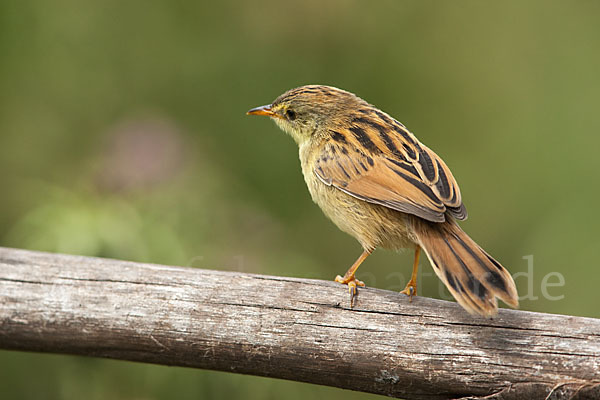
point(427, 164)
point(404, 133)
point(406, 166)
point(338, 137)
point(442, 183)
point(423, 187)
point(364, 139)
point(409, 150)
point(383, 134)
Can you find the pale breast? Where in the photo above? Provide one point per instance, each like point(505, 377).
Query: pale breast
point(371, 224)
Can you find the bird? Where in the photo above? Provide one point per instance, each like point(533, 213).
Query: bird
point(377, 182)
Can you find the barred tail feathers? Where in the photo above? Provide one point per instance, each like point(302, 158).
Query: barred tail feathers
point(473, 277)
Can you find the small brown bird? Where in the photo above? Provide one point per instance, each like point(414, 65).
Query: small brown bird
point(377, 182)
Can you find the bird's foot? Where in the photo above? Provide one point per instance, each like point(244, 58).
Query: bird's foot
point(352, 283)
point(410, 290)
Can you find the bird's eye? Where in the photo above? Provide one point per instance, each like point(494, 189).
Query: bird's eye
point(290, 114)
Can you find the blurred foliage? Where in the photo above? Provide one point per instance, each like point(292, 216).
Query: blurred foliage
point(123, 134)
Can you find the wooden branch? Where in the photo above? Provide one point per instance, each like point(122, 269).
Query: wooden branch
point(296, 329)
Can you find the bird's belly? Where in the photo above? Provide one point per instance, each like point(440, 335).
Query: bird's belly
point(371, 224)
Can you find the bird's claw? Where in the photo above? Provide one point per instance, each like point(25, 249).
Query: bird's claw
point(410, 290)
point(352, 283)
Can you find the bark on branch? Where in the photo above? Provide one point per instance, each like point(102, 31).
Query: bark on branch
point(288, 328)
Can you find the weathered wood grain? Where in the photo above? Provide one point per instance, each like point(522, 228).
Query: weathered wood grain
point(288, 328)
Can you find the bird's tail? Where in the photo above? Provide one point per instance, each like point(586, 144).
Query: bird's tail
point(473, 277)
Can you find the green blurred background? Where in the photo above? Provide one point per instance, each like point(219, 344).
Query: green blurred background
point(123, 134)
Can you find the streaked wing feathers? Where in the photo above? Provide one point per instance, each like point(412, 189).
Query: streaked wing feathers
point(377, 160)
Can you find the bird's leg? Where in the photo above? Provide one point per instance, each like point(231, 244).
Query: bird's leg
point(411, 287)
point(350, 280)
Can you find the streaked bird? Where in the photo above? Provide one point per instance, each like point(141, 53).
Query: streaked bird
point(377, 182)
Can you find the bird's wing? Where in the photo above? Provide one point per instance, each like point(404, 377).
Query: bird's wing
point(376, 159)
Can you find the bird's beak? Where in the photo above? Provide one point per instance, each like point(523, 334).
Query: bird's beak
point(262, 110)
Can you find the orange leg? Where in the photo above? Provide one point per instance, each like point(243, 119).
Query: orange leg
point(350, 280)
point(411, 287)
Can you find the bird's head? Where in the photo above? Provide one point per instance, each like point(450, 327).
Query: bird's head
point(307, 110)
